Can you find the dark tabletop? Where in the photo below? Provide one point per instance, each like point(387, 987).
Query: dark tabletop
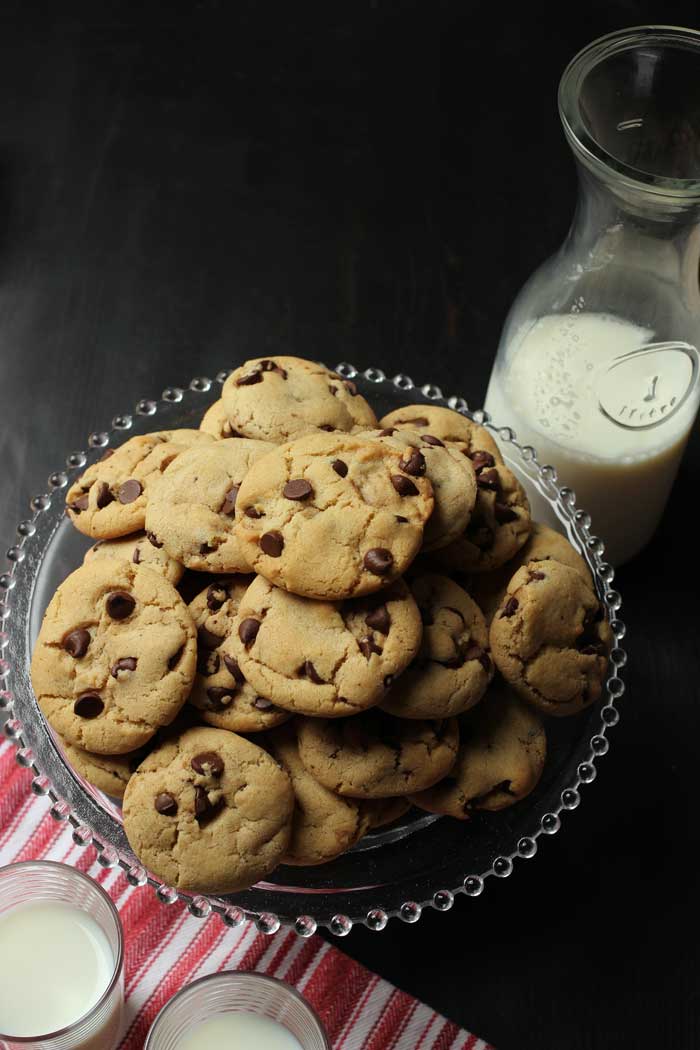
point(369, 182)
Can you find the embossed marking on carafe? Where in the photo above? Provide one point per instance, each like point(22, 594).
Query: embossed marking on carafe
point(666, 389)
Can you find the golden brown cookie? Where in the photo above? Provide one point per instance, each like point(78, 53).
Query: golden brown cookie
point(221, 694)
point(215, 422)
point(549, 638)
point(108, 773)
point(279, 398)
point(502, 750)
point(333, 515)
point(452, 668)
point(109, 498)
point(209, 812)
point(378, 812)
point(326, 659)
point(445, 424)
point(376, 756)
point(115, 657)
point(138, 549)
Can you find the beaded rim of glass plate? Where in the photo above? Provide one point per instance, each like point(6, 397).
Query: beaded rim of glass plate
point(376, 919)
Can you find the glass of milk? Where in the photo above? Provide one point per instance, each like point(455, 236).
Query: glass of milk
point(597, 367)
point(237, 1010)
point(61, 960)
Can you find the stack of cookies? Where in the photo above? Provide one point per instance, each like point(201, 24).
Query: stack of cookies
point(381, 625)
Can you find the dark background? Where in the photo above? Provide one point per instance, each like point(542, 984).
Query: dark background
point(369, 182)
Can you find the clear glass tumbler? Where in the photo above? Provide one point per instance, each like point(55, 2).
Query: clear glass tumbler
point(230, 992)
point(35, 881)
point(598, 362)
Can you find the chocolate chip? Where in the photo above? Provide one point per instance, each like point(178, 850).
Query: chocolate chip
point(208, 763)
point(251, 512)
point(124, 663)
point(327, 427)
point(333, 390)
point(481, 459)
point(165, 804)
point(413, 463)
point(387, 432)
point(216, 596)
point(76, 643)
point(207, 548)
point(250, 378)
point(219, 697)
point(297, 489)
point(175, 658)
point(262, 704)
point(368, 646)
point(378, 560)
point(536, 576)
point(272, 366)
point(136, 556)
point(89, 705)
point(488, 479)
point(404, 486)
point(510, 607)
point(106, 455)
point(228, 507)
point(272, 544)
point(248, 631)
point(256, 373)
point(340, 467)
point(430, 440)
point(349, 385)
point(234, 670)
point(475, 652)
point(79, 505)
point(503, 513)
point(308, 670)
point(379, 619)
point(153, 540)
point(104, 495)
point(120, 604)
point(388, 681)
point(130, 491)
point(401, 520)
point(203, 808)
point(207, 663)
point(207, 639)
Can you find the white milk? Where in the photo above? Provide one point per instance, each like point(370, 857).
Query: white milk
point(55, 964)
point(239, 1031)
point(556, 375)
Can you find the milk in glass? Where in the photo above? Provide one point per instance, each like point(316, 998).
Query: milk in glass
point(239, 1031)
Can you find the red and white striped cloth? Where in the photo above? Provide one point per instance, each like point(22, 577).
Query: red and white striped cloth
point(167, 948)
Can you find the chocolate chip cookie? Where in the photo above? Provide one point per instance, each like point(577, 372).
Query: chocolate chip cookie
point(550, 640)
point(209, 812)
point(215, 422)
point(445, 424)
point(138, 549)
point(324, 824)
point(502, 751)
point(280, 398)
point(378, 812)
point(450, 473)
point(115, 657)
point(326, 659)
point(109, 498)
point(221, 694)
point(376, 756)
point(108, 773)
point(487, 588)
point(499, 526)
point(452, 668)
point(333, 515)
point(191, 509)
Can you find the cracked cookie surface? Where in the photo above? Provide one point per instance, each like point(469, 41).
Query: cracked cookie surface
point(115, 657)
point(333, 515)
point(326, 659)
point(324, 824)
point(221, 693)
point(191, 508)
point(279, 398)
point(502, 751)
point(376, 756)
point(549, 639)
point(138, 549)
point(445, 424)
point(543, 544)
point(450, 473)
point(499, 526)
point(109, 498)
point(209, 812)
point(453, 667)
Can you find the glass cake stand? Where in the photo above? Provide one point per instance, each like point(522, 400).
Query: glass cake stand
point(421, 861)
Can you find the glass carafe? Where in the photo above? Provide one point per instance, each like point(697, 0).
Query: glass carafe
point(598, 363)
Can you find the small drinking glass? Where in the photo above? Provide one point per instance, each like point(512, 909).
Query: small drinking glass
point(228, 992)
point(32, 882)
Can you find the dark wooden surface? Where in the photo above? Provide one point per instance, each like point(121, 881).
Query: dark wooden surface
point(372, 182)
